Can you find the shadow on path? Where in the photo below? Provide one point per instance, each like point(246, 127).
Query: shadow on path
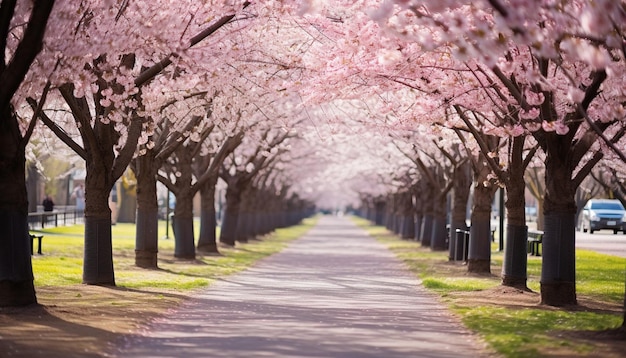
point(335, 292)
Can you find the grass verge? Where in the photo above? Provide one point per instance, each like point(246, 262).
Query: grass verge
point(62, 261)
point(513, 322)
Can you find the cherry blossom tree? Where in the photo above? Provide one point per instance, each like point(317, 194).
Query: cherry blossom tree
point(104, 93)
point(255, 153)
point(436, 166)
point(560, 67)
point(207, 169)
point(185, 179)
point(164, 137)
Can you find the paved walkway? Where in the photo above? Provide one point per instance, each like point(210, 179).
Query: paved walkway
point(335, 292)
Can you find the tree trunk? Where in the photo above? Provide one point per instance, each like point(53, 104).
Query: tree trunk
point(558, 269)
point(418, 226)
point(426, 232)
point(460, 196)
point(98, 254)
point(439, 234)
point(390, 209)
point(515, 262)
point(182, 221)
point(419, 214)
point(16, 272)
point(558, 278)
point(207, 242)
point(408, 216)
point(183, 226)
point(479, 253)
point(514, 267)
point(427, 198)
point(379, 205)
point(146, 235)
point(228, 234)
point(397, 213)
point(244, 221)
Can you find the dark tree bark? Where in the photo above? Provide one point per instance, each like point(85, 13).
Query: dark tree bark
point(228, 235)
point(98, 253)
point(515, 262)
point(246, 213)
point(408, 216)
point(419, 211)
point(379, 210)
point(183, 211)
point(16, 273)
point(390, 208)
point(427, 198)
point(440, 232)
point(146, 235)
point(558, 275)
point(461, 191)
point(207, 241)
point(479, 253)
point(268, 213)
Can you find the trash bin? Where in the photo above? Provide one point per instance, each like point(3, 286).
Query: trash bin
point(461, 241)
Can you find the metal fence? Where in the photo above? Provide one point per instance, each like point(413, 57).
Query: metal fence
point(62, 216)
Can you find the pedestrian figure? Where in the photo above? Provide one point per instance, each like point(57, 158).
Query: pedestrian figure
point(48, 204)
point(113, 204)
point(79, 195)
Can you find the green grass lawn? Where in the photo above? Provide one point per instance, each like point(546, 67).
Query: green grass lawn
point(62, 259)
point(520, 332)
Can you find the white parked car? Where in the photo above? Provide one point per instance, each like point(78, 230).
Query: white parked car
point(604, 214)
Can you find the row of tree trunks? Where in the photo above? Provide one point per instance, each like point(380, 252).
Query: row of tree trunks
point(373, 209)
point(399, 215)
point(421, 213)
point(252, 212)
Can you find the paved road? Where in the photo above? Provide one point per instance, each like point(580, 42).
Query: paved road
point(602, 241)
point(336, 292)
